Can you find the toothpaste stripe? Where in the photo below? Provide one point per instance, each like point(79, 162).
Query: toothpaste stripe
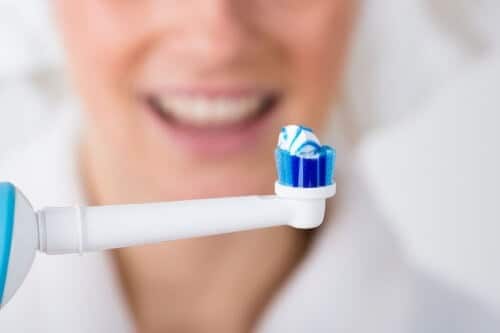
point(308, 143)
point(295, 137)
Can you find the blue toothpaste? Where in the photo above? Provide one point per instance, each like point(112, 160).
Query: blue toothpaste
point(301, 160)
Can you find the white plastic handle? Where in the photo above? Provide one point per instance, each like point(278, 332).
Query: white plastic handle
point(83, 229)
point(108, 227)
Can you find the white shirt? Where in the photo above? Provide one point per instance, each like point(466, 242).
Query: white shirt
point(355, 278)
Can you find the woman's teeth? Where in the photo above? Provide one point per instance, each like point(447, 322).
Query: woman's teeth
point(214, 111)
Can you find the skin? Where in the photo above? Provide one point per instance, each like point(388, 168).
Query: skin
point(118, 50)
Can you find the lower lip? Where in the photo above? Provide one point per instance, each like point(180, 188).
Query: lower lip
point(214, 141)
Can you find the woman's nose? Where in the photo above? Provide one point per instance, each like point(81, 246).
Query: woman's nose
point(214, 31)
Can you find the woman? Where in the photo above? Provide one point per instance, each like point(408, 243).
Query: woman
point(183, 100)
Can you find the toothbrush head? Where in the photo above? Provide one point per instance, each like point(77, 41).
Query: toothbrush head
point(304, 165)
point(18, 240)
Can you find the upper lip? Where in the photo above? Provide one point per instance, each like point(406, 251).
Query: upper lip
point(208, 90)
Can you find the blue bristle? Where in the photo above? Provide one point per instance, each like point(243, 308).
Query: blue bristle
point(306, 172)
point(331, 156)
point(310, 172)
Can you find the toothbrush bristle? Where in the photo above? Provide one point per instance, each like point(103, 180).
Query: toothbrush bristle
point(301, 161)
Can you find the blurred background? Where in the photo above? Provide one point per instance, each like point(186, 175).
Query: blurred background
point(429, 146)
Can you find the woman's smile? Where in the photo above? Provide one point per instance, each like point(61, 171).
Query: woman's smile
point(212, 120)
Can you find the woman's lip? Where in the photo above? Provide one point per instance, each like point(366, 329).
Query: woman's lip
point(214, 141)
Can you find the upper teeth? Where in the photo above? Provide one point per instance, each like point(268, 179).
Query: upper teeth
point(210, 111)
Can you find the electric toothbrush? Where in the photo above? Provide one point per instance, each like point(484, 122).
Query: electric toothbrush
point(305, 171)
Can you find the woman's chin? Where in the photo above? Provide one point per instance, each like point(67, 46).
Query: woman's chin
point(223, 189)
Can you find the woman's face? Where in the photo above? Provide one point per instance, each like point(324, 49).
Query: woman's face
point(185, 99)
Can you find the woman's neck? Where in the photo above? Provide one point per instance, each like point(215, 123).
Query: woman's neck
point(219, 283)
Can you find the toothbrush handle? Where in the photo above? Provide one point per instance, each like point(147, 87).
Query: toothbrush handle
point(120, 226)
point(85, 229)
